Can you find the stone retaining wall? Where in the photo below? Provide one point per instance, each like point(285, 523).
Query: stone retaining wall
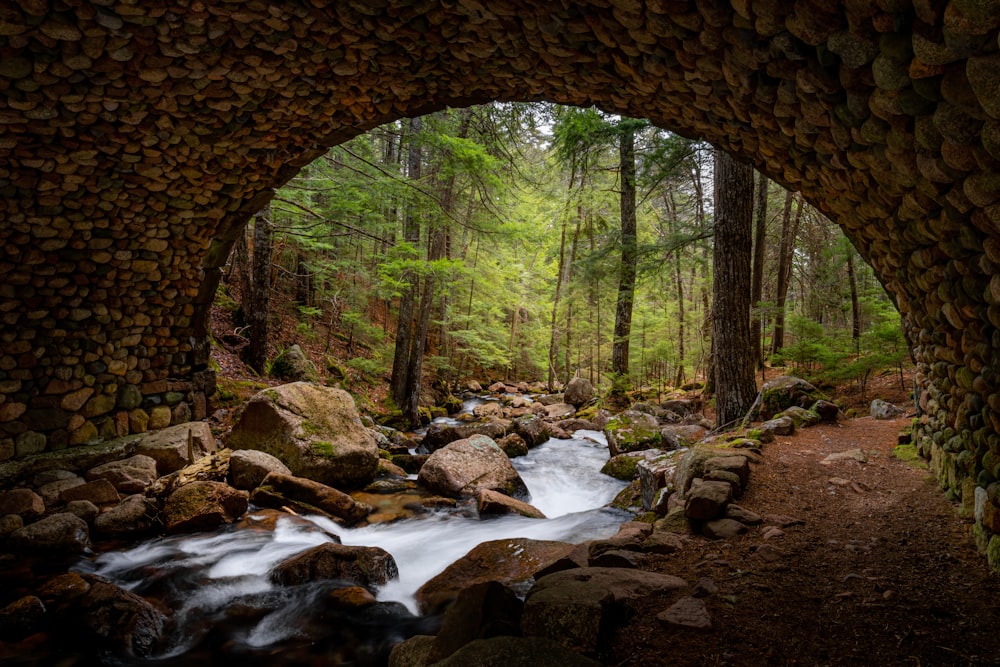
point(136, 139)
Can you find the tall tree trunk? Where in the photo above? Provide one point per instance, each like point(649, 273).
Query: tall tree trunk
point(855, 304)
point(786, 253)
point(241, 266)
point(399, 381)
point(735, 387)
point(757, 287)
point(627, 268)
point(259, 308)
point(303, 281)
point(561, 277)
point(679, 286)
point(418, 348)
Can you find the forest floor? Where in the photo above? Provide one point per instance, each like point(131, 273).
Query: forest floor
point(880, 571)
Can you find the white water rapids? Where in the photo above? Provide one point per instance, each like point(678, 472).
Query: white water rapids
point(201, 576)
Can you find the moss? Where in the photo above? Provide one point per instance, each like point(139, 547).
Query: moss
point(322, 448)
point(908, 454)
point(622, 467)
point(993, 553)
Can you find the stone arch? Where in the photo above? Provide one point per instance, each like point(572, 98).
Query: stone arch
point(137, 138)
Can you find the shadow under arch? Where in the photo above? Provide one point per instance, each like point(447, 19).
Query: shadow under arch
point(136, 140)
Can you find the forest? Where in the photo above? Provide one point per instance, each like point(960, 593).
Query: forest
point(532, 242)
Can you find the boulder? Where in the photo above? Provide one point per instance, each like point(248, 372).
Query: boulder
point(292, 365)
point(511, 561)
point(84, 509)
point(9, 523)
point(549, 399)
point(24, 502)
point(626, 466)
point(120, 622)
point(681, 406)
point(783, 392)
point(21, 618)
point(656, 473)
point(131, 475)
point(884, 410)
point(513, 445)
point(682, 435)
point(723, 529)
point(629, 537)
point(62, 533)
point(367, 566)
point(531, 428)
point(559, 411)
point(800, 416)
point(99, 492)
point(464, 467)
point(577, 424)
point(484, 610)
point(827, 410)
point(737, 465)
point(306, 496)
point(493, 502)
point(202, 506)
point(778, 426)
point(488, 410)
point(580, 608)
point(515, 652)
point(707, 500)
point(134, 515)
point(249, 467)
point(688, 612)
point(631, 431)
point(177, 446)
point(439, 435)
point(578, 392)
point(314, 430)
point(51, 492)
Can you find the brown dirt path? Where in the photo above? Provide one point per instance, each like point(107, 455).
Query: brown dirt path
point(882, 571)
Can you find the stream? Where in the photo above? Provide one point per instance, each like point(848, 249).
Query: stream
point(221, 601)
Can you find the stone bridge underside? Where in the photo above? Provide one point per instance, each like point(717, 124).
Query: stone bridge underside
point(138, 136)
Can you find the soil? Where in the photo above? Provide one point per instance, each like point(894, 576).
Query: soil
point(881, 571)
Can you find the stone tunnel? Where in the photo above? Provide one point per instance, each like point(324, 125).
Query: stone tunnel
point(137, 137)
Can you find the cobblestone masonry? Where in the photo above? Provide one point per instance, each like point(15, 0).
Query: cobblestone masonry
point(138, 136)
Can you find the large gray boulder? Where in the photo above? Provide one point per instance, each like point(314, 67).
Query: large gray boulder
point(578, 392)
point(314, 430)
point(464, 467)
point(632, 431)
point(177, 446)
point(439, 435)
point(367, 566)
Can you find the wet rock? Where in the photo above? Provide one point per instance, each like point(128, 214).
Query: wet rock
point(578, 392)
point(580, 608)
point(513, 445)
point(308, 497)
point(494, 502)
point(131, 475)
point(21, 618)
point(99, 492)
point(84, 509)
point(314, 430)
point(484, 610)
point(411, 653)
point(249, 467)
point(511, 561)
point(121, 622)
point(439, 435)
point(464, 467)
point(134, 515)
point(411, 463)
point(531, 428)
point(884, 410)
point(23, 502)
point(688, 612)
point(577, 424)
point(367, 566)
point(203, 506)
point(488, 410)
point(61, 533)
point(177, 446)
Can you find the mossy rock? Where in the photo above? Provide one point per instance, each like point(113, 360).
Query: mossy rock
point(801, 417)
point(629, 499)
point(784, 392)
point(294, 366)
point(623, 467)
point(908, 454)
point(632, 431)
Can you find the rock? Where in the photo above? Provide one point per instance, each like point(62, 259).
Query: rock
point(801, 417)
point(577, 424)
point(629, 537)
point(778, 426)
point(682, 435)
point(51, 493)
point(411, 463)
point(494, 502)
point(464, 467)
point(21, 618)
point(24, 502)
point(308, 497)
point(412, 653)
point(131, 475)
point(84, 509)
point(488, 410)
point(99, 492)
point(483, 610)
point(62, 533)
point(707, 500)
point(744, 516)
point(848, 455)
point(688, 612)
point(515, 652)
point(723, 529)
point(135, 514)
point(439, 435)
point(511, 561)
point(737, 465)
point(531, 428)
point(827, 410)
point(884, 410)
point(292, 365)
point(177, 446)
point(549, 399)
point(579, 608)
point(578, 392)
point(351, 598)
point(656, 473)
point(9, 523)
point(203, 505)
point(705, 587)
point(513, 445)
point(662, 541)
point(681, 406)
point(786, 391)
point(249, 467)
point(314, 430)
point(631, 431)
point(121, 622)
point(559, 411)
point(615, 558)
point(367, 566)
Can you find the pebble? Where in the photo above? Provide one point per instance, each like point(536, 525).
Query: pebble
point(688, 612)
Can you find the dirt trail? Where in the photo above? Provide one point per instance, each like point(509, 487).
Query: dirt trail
point(882, 571)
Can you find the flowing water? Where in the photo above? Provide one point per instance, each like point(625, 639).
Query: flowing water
point(221, 600)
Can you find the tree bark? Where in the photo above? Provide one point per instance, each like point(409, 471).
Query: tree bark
point(735, 387)
point(258, 311)
point(757, 286)
point(786, 253)
point(855, 303)
point(399, 379)
point(627, 268)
